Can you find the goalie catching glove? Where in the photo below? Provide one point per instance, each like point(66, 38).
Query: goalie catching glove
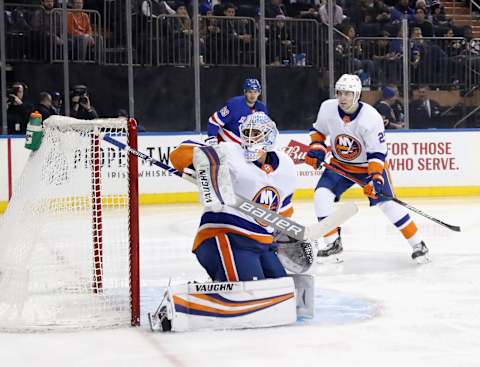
point(296, 256)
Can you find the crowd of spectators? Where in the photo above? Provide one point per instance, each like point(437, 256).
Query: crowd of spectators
point(367, 38)
point(228, 34)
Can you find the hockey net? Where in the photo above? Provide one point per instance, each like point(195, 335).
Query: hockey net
point(69, 237)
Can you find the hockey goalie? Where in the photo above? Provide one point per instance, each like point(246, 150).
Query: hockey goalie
point(243, 256)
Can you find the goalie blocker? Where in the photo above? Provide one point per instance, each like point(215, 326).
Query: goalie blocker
point(235, 305)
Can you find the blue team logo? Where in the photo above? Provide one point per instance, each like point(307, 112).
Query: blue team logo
point(347, 147)
point(269, 197)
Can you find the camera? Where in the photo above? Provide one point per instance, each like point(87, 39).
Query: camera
point(82, 92)
point(11, 93)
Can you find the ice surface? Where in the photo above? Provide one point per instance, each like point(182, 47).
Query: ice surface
point(377, 308)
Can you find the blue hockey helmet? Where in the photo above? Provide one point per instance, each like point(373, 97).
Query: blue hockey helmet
point(252, 84)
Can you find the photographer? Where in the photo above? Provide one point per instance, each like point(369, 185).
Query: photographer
point(81, 107)
point(17, 111)
point(44, 105)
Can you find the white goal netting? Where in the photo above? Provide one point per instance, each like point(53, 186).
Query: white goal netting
point(64, 238)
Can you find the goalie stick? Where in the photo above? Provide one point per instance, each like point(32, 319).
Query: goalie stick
point(257, 211)
point(392, 198)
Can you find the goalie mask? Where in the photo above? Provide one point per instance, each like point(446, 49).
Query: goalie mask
point(258, 134)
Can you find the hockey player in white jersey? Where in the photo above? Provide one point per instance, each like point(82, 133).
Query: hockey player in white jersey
point(358, 145)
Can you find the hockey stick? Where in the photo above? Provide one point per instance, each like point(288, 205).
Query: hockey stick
point(257, 211)
point(392, 198)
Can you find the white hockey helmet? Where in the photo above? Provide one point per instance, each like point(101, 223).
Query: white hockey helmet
point(350, 83)
point(258, 133)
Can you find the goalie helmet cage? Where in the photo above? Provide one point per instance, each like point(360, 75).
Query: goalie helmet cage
point(69, 248)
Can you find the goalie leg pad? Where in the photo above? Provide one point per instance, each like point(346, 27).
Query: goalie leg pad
point(229, 305)
point(213, 177)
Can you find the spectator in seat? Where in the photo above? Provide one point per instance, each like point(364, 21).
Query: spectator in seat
point(274, 8)
point(155, 8)
point(279, 42)
point(424, 112)
point(429, 61)
point(183, 34)
point(46, 28)
point(338, 16)
point(80, 30)
point(456, 50)
point(439, 18)
point(302, 9)
point(384, 108)
point(387, 59)
point(397, 105)
point(235, 42)
point(403, 10)
point(44, 106)
point(421, 4)
point(422, 23)
point(384, 18)
point(349, 51)
point(18, 111)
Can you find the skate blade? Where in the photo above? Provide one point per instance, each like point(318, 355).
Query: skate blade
point(425, 259)
point(332, 259)
point(154, 325)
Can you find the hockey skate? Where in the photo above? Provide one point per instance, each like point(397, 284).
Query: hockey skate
point(420, 253)
point(159, 320)
point(331, 253)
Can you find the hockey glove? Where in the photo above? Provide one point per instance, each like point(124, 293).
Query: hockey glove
point(316, 154)
point(211, 140)
point(375, 187)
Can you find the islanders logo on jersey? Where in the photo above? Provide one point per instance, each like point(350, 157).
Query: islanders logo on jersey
point(347, 147)
point(269, 197)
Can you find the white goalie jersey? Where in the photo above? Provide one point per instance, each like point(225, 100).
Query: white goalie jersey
point(271, 184)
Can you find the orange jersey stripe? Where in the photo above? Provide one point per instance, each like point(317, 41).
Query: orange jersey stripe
point(228, 261)
point(348, 167)
point(207, 233)
point(287, 213)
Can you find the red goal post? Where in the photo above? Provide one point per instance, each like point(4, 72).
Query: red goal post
point(69, 254)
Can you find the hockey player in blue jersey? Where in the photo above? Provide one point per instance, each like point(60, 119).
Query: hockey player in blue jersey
point(223, 124)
